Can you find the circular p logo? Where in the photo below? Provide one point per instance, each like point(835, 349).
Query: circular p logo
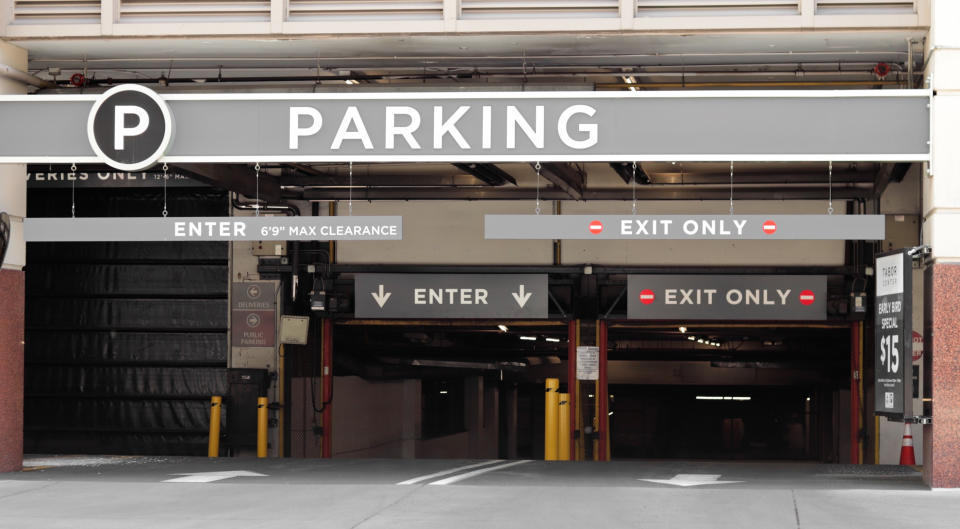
point(129, 127)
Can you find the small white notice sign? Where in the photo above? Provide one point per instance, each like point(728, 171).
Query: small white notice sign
point(588, 362)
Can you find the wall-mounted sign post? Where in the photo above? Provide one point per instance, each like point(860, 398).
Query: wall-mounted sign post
point(253, 315)
point(262, 228)
point(692, 227)
point(894, 334)
point(727, 297)
point(504, 296)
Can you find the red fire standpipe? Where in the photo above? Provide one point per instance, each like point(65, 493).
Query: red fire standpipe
point(603, 398)
point(854, 393)
point(572, 384)
point(327, 366)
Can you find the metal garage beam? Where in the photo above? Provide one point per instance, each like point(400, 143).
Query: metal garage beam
point(488, 172)
point(234, 177)
point(625, 170)
point(567, 177)
point(648, 193)
point(887, 174)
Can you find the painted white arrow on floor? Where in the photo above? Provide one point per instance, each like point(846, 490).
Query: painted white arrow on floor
point(207, 477)
point(522, 297)
point(691, 480)
point(381, 297)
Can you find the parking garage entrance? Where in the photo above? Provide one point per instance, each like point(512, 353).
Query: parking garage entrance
point(771, 374)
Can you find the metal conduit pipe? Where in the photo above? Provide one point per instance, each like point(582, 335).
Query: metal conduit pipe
point(747, 84)
point(288, 209)
point(12, 73)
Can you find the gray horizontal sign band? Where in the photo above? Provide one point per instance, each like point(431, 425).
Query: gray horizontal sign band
point(726, 297)
point(214, 229)
point(695, 227)
point(571, 126)
point(505, 296)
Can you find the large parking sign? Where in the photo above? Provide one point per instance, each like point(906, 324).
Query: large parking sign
point(894, 346)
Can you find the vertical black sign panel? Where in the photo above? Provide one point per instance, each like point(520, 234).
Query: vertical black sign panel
point(893, 353)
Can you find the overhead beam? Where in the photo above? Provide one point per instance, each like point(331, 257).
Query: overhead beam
point(235, 177)
point(860, 177)
point(565, 176)
point(488, 172)
point(887, 174)
point(649, 193)
point(626, 172)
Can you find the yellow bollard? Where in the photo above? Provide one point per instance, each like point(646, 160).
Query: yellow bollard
point(551, 408)
point(262, 427)
point(563, 437)
point(213, 442)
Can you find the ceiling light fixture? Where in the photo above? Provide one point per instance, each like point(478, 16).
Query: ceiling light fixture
point(554, 340)
point(503, 327)
point(683, 330)
point(529, 338)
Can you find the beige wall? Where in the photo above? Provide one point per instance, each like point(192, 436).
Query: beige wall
point(13, 177)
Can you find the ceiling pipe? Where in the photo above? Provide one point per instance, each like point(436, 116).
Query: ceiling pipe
point(12, 73)
point(746, 84)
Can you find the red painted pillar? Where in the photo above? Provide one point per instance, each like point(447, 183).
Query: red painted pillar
point(603, 398)
point(572, 385)
point(855, 392)
point(327, 366)
point(11, 369)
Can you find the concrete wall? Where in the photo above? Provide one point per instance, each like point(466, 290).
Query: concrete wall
point(382, 419)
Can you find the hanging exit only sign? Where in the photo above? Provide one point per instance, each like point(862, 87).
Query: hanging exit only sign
point(693, 227)
point(727, 297)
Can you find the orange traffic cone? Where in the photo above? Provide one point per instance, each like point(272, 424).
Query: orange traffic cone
point(906, 449)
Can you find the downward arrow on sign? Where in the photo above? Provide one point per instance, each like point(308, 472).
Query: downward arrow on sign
point(522, 297)
point(691, 480)
point(207, 477)
point(380, 298)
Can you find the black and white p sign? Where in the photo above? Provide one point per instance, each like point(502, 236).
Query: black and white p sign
point(894, 334)
point(130, 127)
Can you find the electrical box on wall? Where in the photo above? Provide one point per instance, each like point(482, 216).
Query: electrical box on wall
point(270, 248)
point(294, 329)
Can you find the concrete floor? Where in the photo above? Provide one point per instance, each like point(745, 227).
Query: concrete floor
point(135, 492)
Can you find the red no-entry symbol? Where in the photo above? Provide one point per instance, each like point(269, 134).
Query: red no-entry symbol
point(596, 227)
point(769, 227)
point(647, 296)
point(807, 297)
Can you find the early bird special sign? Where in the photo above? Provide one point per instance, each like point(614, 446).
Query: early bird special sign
point(727, 297)
point(894, 335)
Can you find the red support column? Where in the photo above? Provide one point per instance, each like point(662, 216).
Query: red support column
point(572, 384)
point(603, 398)
point(11, 369)
point(855, 393)
point(327, 364)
